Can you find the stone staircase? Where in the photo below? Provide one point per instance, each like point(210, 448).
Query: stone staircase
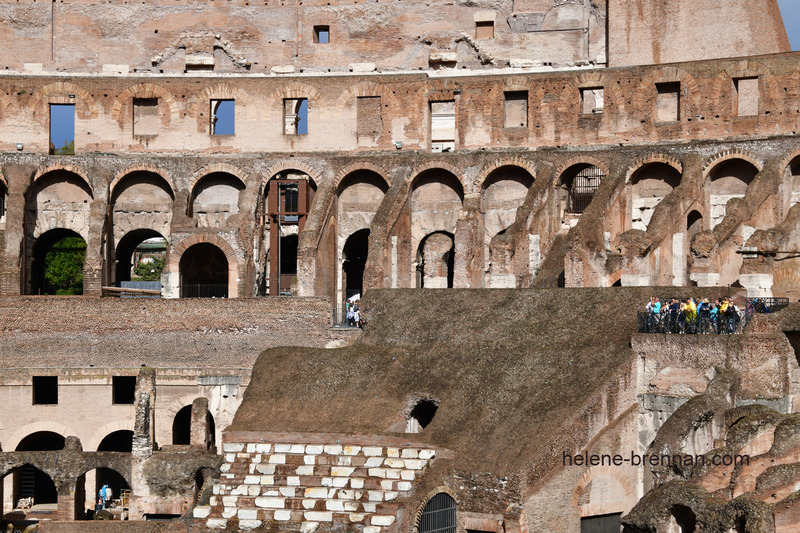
point(315, 485)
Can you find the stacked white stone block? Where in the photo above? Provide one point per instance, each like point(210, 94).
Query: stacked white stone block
point(313, 484)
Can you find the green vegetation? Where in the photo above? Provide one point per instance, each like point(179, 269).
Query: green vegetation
point(63, 271)
point(149, 271)
point(67, 149)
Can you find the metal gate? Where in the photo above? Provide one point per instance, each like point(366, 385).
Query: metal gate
point(584, 185)
point(439, 515)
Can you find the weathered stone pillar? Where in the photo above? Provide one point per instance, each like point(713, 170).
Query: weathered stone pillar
point(66, 507)
point(469, 259)
point(98, 212)
point(199, 433)
point(143, 438)
point(11, 276)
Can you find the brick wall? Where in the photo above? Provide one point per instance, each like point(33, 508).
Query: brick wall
point(76, 331)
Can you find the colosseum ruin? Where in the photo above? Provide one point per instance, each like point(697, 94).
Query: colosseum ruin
point(554, 163)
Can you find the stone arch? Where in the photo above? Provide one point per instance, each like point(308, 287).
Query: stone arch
point(639, 163)
point(78, 171)
point(58, 93)
point(141, 168)
point(294, 89)
point(580, 160)
point(441, 165)
point(213, 168)
point(355, 167)
point(504, 162)
point(35, 427)
point(728, 155)
point(785, 162)
point(105, 430)
point(145, 90)
point(430, 494)
point(208, 238)
point(596, 472)
point(645, 89)
point(271, 172)
point(176, 405)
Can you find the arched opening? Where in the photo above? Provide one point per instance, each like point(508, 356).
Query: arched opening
point(215, 198)
point(57, 267)
point(421, 415)
point(727, 180)
point(503, 192)
point(29, 481)
point(118, 441)
point(436, 261)
point(140, 257)
point(694, 223)
point(649, 185)
point(682, 520)
point(204, 272)
point(182, 427)
point(791, 177)
point(435, 203)
point(578, 185)
point(289, 197)
point(356, 249)
point(439, 515)
point(360, 195)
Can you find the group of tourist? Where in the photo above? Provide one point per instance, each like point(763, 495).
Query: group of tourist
point(692, 315)
point(353, 313)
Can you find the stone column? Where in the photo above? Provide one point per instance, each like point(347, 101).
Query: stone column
point(469, 245)
point(11, 276)
point(199, 433)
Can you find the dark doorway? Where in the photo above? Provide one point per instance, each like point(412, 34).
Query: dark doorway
point(57, 267)
point(356, 249)
point(436, 261)
point(288, 263)
point(182, 426)
point(142, 246)
point(204, 272)
point(29, 481)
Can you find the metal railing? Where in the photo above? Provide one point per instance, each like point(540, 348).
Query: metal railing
point(704, 322)
point(204, 290)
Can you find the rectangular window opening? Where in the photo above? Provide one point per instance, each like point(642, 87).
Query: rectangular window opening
point(592, 100)
point(516, 109)
point(745, 96)
point(295, 116)
point(668, 102)
point(601, 524)
point(322, 34)
point(145, 116)
point(123, 390)
point(62, 129)
point(368, 115)
point(45, 390)
point(484, 29)
point(223, 117)
point(443, 126)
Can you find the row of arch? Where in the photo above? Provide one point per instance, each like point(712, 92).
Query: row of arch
point(30, 480)
point(142, 200)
